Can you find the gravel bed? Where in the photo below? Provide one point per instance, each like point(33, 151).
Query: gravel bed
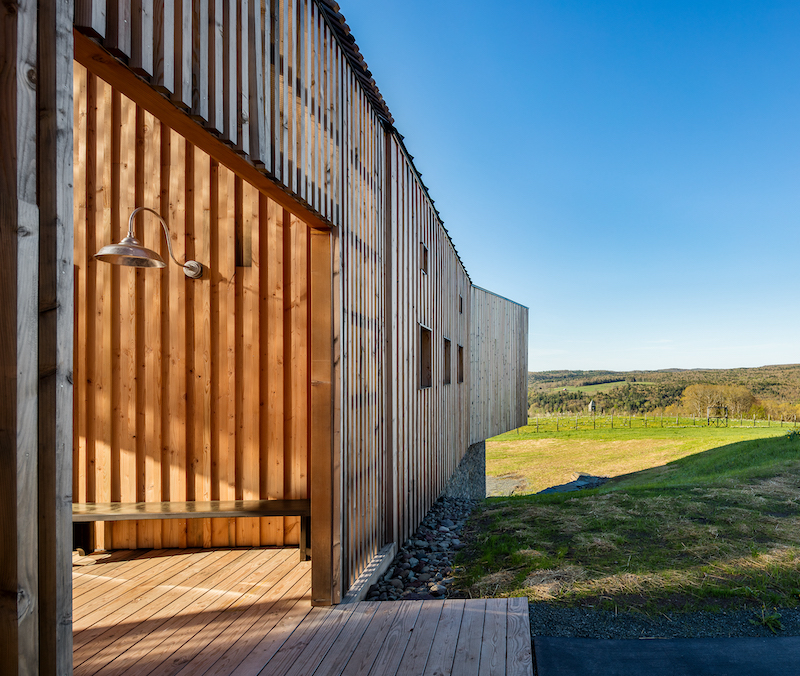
point(422, 568)
point(547, 620)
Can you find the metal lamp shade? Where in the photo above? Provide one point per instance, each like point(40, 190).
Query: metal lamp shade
point(131, 252)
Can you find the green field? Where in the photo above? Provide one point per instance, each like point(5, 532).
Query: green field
point(696, 518)
point(593, 389)
point(548, 458)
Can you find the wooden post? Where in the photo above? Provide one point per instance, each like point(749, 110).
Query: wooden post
point(594, 420)
point(576, 421)
point(612, 420)
point(36, 276)
point(556, 422)
point(325, 545)
point(754, 420)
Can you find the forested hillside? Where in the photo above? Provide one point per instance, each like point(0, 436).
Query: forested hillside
point(766, 390)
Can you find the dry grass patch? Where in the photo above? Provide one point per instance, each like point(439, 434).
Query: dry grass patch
point(701, 547)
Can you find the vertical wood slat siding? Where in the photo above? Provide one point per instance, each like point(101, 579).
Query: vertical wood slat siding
point(430, 434)
point(289, 101)
point(263, 74)
point(159, 358)
point(498, 365)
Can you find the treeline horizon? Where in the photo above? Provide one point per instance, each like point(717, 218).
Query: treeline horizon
point(767, 391)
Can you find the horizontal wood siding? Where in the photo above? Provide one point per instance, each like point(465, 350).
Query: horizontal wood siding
point(263, 75)
point(498, 364)
point(184, 389)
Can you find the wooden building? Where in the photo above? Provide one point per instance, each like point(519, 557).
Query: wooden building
point(335, 349)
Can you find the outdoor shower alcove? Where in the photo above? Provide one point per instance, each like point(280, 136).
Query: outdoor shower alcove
point(193, 390)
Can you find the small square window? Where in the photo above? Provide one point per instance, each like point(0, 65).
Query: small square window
point(460, 364)
point(423, 257)
point(425, 358)
point(447, 370)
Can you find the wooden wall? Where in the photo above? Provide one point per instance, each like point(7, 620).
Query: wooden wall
point(363, 251)
point(35, 338)
point(264, 76)
point(499, 365)
point(184, 389)
point(429, 426)
point(277, 91)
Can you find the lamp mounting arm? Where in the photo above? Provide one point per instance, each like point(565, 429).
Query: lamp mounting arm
point(191, 269)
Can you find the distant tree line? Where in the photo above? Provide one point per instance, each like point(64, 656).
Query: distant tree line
point(670, 399)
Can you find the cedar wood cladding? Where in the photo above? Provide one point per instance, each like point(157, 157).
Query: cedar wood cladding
point(284, 88)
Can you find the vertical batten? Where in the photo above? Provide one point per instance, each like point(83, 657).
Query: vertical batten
point(163, 79)
point(214, 66)
point(201, 54)
point(258, 132)
point(150, 531)
point(118, 28)
point(183, 46)
point(244, 48)
point(90, 17)
point(142, 43)
point(230, 72)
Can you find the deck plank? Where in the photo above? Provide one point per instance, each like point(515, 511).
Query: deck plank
point(493, 645)
point(419, 647)
point(396, 642)
point(130, 597)
point(467, 659)
point(360, 615)
point(244, 612)
point(156, 647)
point(440, 660)
point(519, 658)
point(366, 651)
point(102, 631)
point(283, 580)
point(179, 600)
point(252, 590)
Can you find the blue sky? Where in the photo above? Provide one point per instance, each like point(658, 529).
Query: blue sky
point(629, 170)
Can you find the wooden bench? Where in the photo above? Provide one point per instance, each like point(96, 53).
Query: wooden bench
point(216, 509)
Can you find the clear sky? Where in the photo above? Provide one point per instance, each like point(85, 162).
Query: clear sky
point(629, 170)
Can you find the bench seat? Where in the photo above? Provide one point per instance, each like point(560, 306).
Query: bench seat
point(215, 509)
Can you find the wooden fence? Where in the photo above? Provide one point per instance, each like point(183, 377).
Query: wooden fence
point(566, 422)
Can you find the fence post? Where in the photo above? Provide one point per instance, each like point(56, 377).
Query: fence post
point(754, 420)
point(556, 422)
point(769, 419)
point(612, 421)
point(576, 422)
point(645, 418)
point(537, 423)
point(594, 420)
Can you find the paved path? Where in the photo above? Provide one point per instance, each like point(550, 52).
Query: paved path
point(779, 656)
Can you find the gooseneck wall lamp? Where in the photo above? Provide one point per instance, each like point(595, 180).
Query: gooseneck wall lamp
point(131, 252)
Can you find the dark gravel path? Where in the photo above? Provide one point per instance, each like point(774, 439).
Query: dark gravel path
point(548, 620)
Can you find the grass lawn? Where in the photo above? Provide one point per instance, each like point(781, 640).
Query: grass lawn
point(550, 459)
point(717, 527)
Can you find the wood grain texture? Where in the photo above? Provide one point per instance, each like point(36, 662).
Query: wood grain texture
point(161, 358)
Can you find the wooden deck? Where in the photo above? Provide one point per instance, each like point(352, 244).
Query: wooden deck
point(244, 612)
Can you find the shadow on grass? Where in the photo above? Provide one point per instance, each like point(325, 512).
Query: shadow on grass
point(720, 528)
